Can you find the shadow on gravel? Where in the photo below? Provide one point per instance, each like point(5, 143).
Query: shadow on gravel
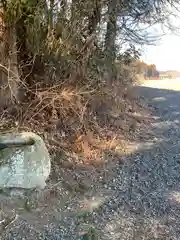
point(145, 197)
point(167, 101)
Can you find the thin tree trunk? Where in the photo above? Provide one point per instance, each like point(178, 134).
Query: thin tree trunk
point(25, 55)
point(94, 17)
point(110, 38)
point(51, 11)
point(13, 63)
point(110, 41)
point(21, 32)
point(9, 64)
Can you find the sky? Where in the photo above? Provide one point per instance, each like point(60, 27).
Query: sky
point(166, 54)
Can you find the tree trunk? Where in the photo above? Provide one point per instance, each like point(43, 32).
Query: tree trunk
point(94, 17)
point(25, 56)
point(21, 44)
point(110, 38)
point(51, 13)
point(110, 41)
point(9, 75)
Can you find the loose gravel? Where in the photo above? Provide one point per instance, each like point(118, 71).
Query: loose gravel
point(142, 200)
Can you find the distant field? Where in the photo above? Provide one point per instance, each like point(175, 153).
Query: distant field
point(173, 84)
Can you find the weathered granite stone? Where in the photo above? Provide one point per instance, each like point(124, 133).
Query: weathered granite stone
point(26, 166)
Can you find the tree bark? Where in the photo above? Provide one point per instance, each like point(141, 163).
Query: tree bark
point(9, 75)
point(94, 17)
point(110, 37)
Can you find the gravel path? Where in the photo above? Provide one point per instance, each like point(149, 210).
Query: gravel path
point(143, 201)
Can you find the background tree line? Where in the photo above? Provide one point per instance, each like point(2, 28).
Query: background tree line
point(147, 70)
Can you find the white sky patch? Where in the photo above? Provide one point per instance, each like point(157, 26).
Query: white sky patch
point(166, 53)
